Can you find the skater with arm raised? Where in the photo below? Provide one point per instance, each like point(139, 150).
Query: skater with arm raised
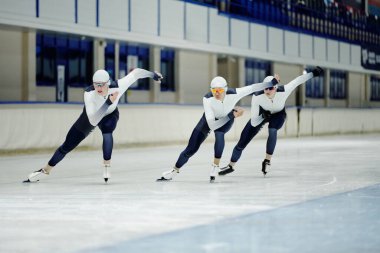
point(219, 114)
point(267, 107)
point(100, 109)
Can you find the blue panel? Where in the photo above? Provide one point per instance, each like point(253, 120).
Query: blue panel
point(167, 54)
point(74, 43)
point(48, 40)
point(37, 8)
point(86, 46)
point(132, 50)
point(123, 50)
point(61, 41)
point(110, 48)
point(39, 39)
point(129, 16)
point(97, 13)
point(76, 11)
point(143, 52)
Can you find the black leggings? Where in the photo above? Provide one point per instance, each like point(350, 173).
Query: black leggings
point(275, 123)
point(80, 130)
point(198, 136)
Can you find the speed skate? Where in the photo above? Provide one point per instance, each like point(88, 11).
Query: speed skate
point(36, 176)
point(168, 175)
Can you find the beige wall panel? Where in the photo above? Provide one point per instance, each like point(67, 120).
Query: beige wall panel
point(45, 94)
point(356, 83)
point(195, 74)
point(287, 73)
point(10, 65)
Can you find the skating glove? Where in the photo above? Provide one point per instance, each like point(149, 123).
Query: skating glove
point(157, 76)
point(274, 81)
point(317, 71)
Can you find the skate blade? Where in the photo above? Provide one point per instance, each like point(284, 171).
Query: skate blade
point(162, 179)
point(212, 179)
point(225, 172)
point(28, 181)
point(36, 176)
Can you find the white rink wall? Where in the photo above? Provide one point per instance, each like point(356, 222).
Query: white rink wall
point(324, 121)
point(36, 126)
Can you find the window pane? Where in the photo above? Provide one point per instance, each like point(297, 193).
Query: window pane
point(167, 69)
point(256, 70)
point(375, 88)
point(46, 60)
point(315, 86)
point(73, 52)
point(338, 82)
point(110, 59)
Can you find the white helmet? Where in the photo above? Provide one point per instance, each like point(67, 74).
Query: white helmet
point(101, 76)
point(268, 79)
point(218, 82)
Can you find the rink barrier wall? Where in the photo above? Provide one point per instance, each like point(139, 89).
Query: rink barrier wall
point(39, 126)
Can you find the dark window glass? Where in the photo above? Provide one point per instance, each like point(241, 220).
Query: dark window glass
point(46, 60)
point(131, 57)
point(338, 86)
point(256, 70)
point(375, 88)
point(109, 53)
point(167, 69)
point(75, 53)
point(315, 86)
point(143, 62)
point(123, 71)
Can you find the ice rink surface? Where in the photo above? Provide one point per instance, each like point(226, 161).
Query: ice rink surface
point(321, 195)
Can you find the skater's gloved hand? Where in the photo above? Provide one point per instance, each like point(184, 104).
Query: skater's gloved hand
point(317, 71)
point(274, 81)
point(114, 96)
point(157, 76)
point(267, 115)
point(238, 111)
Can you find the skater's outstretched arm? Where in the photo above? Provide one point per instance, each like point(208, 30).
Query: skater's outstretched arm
point(302, 79)
point(136, 74)
point(95, 115)
point(245, 91)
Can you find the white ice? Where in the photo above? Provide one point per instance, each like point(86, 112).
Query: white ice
point(73, 209)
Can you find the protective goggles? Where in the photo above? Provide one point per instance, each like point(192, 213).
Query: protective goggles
point(270, 88)
point(100, 84)
point(218, 89)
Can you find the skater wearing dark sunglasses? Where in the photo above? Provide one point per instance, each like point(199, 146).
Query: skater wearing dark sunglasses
point(267, 106)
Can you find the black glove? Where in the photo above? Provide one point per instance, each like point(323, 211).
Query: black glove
point(274, 81)
point(317, 71)
point(266, 115)
point(157, 76)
